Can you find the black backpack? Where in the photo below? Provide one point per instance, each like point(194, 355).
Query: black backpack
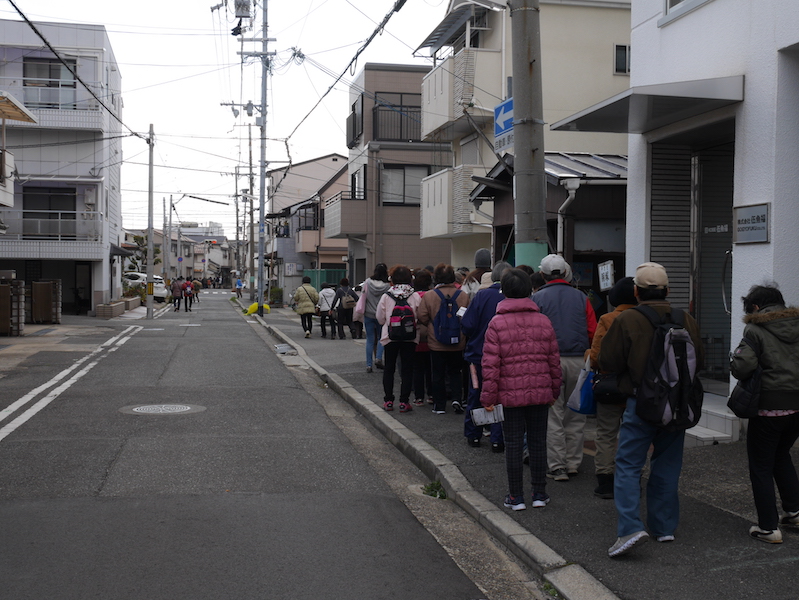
point(402, 321)
point(447, 323)
point(670, 394)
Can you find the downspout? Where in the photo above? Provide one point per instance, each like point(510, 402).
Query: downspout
point(571, 184)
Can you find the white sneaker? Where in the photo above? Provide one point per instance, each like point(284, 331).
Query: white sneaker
point(764, 535)
point(624, 544)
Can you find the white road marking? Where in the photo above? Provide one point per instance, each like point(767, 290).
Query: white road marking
point(117, 341)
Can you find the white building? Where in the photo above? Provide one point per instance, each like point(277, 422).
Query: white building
point(713, 149)
point(64, 221)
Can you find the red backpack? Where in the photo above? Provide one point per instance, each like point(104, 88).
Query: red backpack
point(402, 322)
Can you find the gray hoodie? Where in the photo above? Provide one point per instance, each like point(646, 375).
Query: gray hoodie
point(374, 289)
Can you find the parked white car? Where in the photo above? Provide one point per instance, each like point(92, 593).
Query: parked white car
point(159, 289)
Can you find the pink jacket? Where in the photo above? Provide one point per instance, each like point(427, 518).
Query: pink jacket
point(521, 361)
point(386, 305)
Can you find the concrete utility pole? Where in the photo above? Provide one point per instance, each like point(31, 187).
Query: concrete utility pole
point(263, 55)
point(150, 246)
point(529, 180)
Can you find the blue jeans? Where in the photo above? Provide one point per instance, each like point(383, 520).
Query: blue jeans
point(662, 499)
point(373, 329)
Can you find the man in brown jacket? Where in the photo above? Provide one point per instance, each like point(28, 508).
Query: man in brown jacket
point(446, 359)
point(625, 351)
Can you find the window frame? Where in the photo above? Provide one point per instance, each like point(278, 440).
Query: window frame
point(616, 70)
point(674, 9)
point(403, 168)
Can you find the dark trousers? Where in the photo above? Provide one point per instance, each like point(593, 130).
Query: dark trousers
point(404, 351)
point(768, 444)
point(344, 317)
point(307, 321)
point(422, 375)
point(176, 302)
point(531, 420)
point(470, 430)
point(328, 317)
point(187, 302)
point(446, 365)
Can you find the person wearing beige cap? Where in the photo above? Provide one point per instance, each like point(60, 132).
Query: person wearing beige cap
point(574, 322)
point(625, 351)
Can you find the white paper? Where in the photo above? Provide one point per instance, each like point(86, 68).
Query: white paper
point(481, 416)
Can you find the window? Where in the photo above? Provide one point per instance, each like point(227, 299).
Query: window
point(402, 184)
point(674, 9)
point(49, 84)
point(621, 62)
point(397, 117)
point(48, 213)
point(671, 4)
point(355, 123)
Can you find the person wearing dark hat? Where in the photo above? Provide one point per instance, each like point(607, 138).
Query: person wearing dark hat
point(574, 321)
point(608, 416)
point(482, 264)
point(625, 351)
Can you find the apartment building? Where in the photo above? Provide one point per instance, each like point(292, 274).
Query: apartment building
point(585, 50)
point(63, 220)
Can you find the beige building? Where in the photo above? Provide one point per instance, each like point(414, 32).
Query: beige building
point(585, 48)
point(379, 215)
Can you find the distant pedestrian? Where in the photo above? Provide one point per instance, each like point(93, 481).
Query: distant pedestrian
point(447, 357)
point(177, 292)
point(374, 288)
point(239, 287)
point(625, 351)
point(343, 304)
point(306, 298)
point(422, 368)
point(574, 322)
point(196, 286)
point(771, 341)
point(608, 416)
point(325, 305)
point(400, 292)
point(188, 295)
point(521, 370)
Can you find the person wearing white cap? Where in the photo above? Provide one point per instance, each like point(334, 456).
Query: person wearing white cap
point(574, 321)
point(625, 351)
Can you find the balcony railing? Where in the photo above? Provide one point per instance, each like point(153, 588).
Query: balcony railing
point(52, 225)
point(51, 93)
point(345, 215)
point(397, 123)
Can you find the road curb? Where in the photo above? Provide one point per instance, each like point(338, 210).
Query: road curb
point(571, 581)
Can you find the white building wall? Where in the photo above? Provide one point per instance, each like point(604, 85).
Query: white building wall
point(723, 38)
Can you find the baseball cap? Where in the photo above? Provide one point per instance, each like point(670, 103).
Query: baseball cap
point(553, 264)
point(652, 276)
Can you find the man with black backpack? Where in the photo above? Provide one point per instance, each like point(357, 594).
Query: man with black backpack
point(656, 352)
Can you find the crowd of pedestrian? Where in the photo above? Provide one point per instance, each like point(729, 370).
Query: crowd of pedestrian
point(518, 337)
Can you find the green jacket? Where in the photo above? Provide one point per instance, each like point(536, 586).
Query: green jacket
point(775, 330)
point(625, 347)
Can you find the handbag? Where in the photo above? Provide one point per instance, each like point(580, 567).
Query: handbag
point(606, 389)
point(481, 416)
point(744, 399)
point(581, 399)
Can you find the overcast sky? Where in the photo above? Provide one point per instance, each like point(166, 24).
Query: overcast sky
point(179, 62)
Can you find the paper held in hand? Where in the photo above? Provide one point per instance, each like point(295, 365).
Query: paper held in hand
point(481, 416)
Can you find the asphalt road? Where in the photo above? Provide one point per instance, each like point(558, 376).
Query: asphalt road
point(264, 485)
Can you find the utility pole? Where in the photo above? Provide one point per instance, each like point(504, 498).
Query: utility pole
point(165, 245)
point(529, 180)
point(150, 246)
point(262, 173)
point(252, 225)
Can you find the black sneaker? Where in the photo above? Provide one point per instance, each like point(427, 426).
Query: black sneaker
point(473, 442)
point(456, 406)
point(515, 503)
point(497, 448)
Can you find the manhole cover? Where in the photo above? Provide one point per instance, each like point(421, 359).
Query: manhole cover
point(162, 409)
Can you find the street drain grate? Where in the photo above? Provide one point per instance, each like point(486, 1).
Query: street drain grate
point(162, 409)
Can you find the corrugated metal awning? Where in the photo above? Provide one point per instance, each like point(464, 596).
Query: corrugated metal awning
point(11, 108)
point(647, 107)
point(589, 168)
point(450, 28)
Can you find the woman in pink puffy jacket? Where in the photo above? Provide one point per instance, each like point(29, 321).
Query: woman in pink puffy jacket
point(521, 371)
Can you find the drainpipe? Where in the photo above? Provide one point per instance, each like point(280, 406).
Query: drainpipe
point(571, 184)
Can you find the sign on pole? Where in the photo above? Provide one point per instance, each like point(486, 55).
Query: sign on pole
point(503, 126)
point(606, 275)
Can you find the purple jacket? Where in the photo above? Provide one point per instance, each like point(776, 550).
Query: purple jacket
point(521, 362)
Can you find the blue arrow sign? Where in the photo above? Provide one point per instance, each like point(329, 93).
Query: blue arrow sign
point(503, 117)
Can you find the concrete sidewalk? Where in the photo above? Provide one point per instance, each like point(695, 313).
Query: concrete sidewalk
point(567, 542)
